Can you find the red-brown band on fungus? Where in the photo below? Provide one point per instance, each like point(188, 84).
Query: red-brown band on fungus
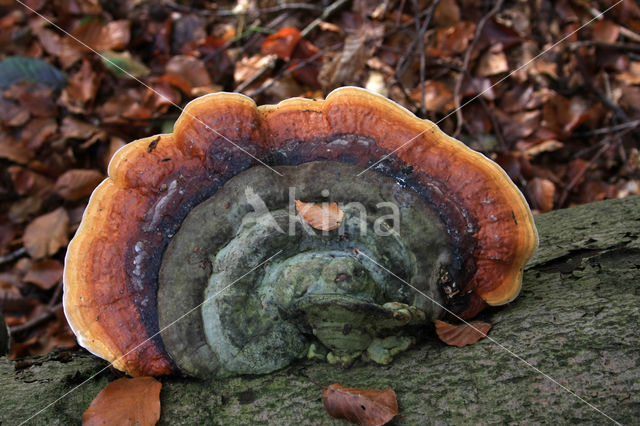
point(113, 263)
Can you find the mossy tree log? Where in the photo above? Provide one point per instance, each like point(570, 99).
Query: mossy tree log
point(577, 320)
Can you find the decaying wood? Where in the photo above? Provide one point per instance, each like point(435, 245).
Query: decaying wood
point(576, 320)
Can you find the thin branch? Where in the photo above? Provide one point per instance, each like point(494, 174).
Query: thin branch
point(10, 257)
point(327, 12)
point(295, 68)
point(404, 62)
point(465, 65)
point(607, 130)
point(34, 322)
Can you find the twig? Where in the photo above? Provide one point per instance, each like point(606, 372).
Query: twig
point(34, 322)
point(56, 295)
point(581, 173)
point(293, 69)
point(606, 130)
point(273, 9)
point(605, 145)
point(403, 63)
point(10, 257)
point(620, 115)
point(627, 47)
point(421, 32)
point(624, 31)
point(465, 65)
point(327, 12)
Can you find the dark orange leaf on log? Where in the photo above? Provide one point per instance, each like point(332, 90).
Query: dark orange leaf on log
point(367, 407)
point(324, 217)
point(282, 43)
point(462, 334)
point(126, 402)
point(46, 234)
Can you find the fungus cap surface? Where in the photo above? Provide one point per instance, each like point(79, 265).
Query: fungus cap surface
point(114, 262)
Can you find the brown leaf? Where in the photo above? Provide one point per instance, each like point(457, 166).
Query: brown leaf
point(438, 96)
point(13, 151)
point(461, 334)
point(361, 406)
point(37, 131)
point(345, 67)
point(324, 217)
point(45, 273)
point(81, 88)
point(102, 36)
point(605, 31)
point(282, 43)
point(77, 183)
point(446, 14)
point(192, 69)
point(541, 193)
point(46, 234)
point(492, 62)
point(126, 402)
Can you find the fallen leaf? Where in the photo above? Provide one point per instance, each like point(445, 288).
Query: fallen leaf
point(123, 65)
point(191, 69)
point(12, 114)
point(126, 402)
point(541, 193)
point(605, 31)
point(367, 407)
point(438, 96)
point(324, 217)
point(82, 87)
point(346, 65)
point(282, 43)
point(37, 131)
point(461, 334)
point(45, 273)
point(492, 62)
point(455, 39)
point(446, 14)
point(15, 69)
point(14, 151)
point(102, 36)
point(46, 234)
point(75, 184)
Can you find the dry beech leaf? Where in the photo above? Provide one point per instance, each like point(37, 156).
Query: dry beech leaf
point(367, 407)
point(76, 184)
point(126, 402)
point(46, 234)
point(45, 273)
point(282, 43)
point(324, 217)
point(461, 334)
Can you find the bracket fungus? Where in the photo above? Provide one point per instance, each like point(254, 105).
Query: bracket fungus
point(161, 276)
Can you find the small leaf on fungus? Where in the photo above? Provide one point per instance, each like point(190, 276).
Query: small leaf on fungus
point(324, 217)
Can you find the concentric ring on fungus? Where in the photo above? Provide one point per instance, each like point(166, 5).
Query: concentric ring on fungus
point(173, 223)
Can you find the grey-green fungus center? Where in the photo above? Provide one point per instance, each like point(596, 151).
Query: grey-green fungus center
point(322, 296)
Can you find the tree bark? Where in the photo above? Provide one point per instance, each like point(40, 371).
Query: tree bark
point(567, 350)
